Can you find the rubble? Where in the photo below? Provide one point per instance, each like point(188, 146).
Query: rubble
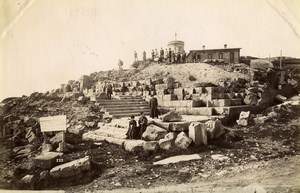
point(183, 141)
point(171, 116)
point(214, 129)
point(179, 158)
point(153, 133)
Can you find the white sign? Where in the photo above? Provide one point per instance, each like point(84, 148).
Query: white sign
point(55, 123)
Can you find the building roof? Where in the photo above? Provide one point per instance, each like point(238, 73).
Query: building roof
point(221, 49)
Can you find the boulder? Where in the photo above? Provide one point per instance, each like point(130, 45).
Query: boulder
point(47, 160)
point(134, 145)
point(150, 146)
point(171, 135)
point(28, 179)
point(183, 141)
point(244, 118)
point(260, 120)
point(166, 143)
point(153, 133)
point(171, 116)
point(214, 129)
point(77, 129)
point(72, 168)
point(198, 133)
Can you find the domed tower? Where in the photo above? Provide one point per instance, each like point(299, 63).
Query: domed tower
point(176, 45)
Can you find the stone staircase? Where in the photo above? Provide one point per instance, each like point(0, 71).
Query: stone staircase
point(125, 106)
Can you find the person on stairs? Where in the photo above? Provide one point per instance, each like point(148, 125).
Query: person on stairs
point(153, 107)
point(109, 91)
point(143, 121)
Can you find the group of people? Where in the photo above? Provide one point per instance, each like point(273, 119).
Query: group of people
point(108, 89)
point(136, 131)
point(167, 55)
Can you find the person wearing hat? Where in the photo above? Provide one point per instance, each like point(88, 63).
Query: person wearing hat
point(132, 130)
point(143, 121)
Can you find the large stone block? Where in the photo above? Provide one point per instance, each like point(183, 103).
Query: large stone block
point(214, 128)
point(166, 144)
point(46, 160)
point(183, 141)
point(170, 97)
point(171, 116)
point(179, 92)
point(134, 145)
point(178, 126)
point(72, 168)
point(153, 133)
point(150, 146)
point(198, 133)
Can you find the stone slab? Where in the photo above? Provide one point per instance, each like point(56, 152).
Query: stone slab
point(179, 158)
point(198, 133)
point(47, 160)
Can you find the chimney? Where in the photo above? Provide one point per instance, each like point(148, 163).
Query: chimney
point(225, 46)
point(203, 47)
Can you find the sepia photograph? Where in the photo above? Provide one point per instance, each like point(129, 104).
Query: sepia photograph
point(149, 96)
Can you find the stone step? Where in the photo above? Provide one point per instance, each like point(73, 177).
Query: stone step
point(128, 114)
point(125, 104)
point(121, 106)
point(121, 102)
point(133, 108)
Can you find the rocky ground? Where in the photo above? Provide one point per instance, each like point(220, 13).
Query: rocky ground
point(250, 151)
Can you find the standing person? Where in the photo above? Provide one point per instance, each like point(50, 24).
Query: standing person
point(132, 130)
point(173, 57)
point(166, 54)
point(153, 107)
point(143, 121)
point(135, 56)
point(194, 57)
point(156, 53)
point(183, 57)
point(109, 91)
point(162, 54)
point(170, 55)
point(152, 54)
point(178, 58)
point(144, 56)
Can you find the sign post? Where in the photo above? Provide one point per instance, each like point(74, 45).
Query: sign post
point(54, 123)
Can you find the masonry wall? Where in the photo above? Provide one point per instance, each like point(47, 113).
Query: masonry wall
point(203, 55)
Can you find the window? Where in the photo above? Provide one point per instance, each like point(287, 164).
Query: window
point(209, 56)
point(231, 57)
point(220, 55)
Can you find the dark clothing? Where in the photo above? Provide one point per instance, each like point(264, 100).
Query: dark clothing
point(133, 130)
point(183, 57)
point(152, 54)
point(143, 125)
point(153, 107)
point(170, 56)
point(178, 58)
point(162, 53)
point(109, 91)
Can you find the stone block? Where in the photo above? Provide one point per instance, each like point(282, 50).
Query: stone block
point(72, 168)
point(221, 102)
point(47, 160)
point(150, 146)
point(214, 129)
point(198, 133)
point(236, 102)
point(171, 116)
point(134, 145)
point(166, 144)
point(211, 89)
point(171, 135)
point(199, 90)
point(170, 97)
point(153, 133)
point(179, 92)
point(178, 126)
point(161, 86)
point(183, 141)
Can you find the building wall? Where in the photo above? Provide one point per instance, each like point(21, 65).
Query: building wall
point(204, 54)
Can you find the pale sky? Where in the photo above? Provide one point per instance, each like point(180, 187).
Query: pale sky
point(45, 43)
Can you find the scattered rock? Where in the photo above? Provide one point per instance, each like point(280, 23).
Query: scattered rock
point(198, 133)
point(133, 145)
point(150, 146)
point(153, 133)
point(166, 143)
point(219, 157)
point(171, 116)
point(183, 141)
point(214, 129)
point(179, 158)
